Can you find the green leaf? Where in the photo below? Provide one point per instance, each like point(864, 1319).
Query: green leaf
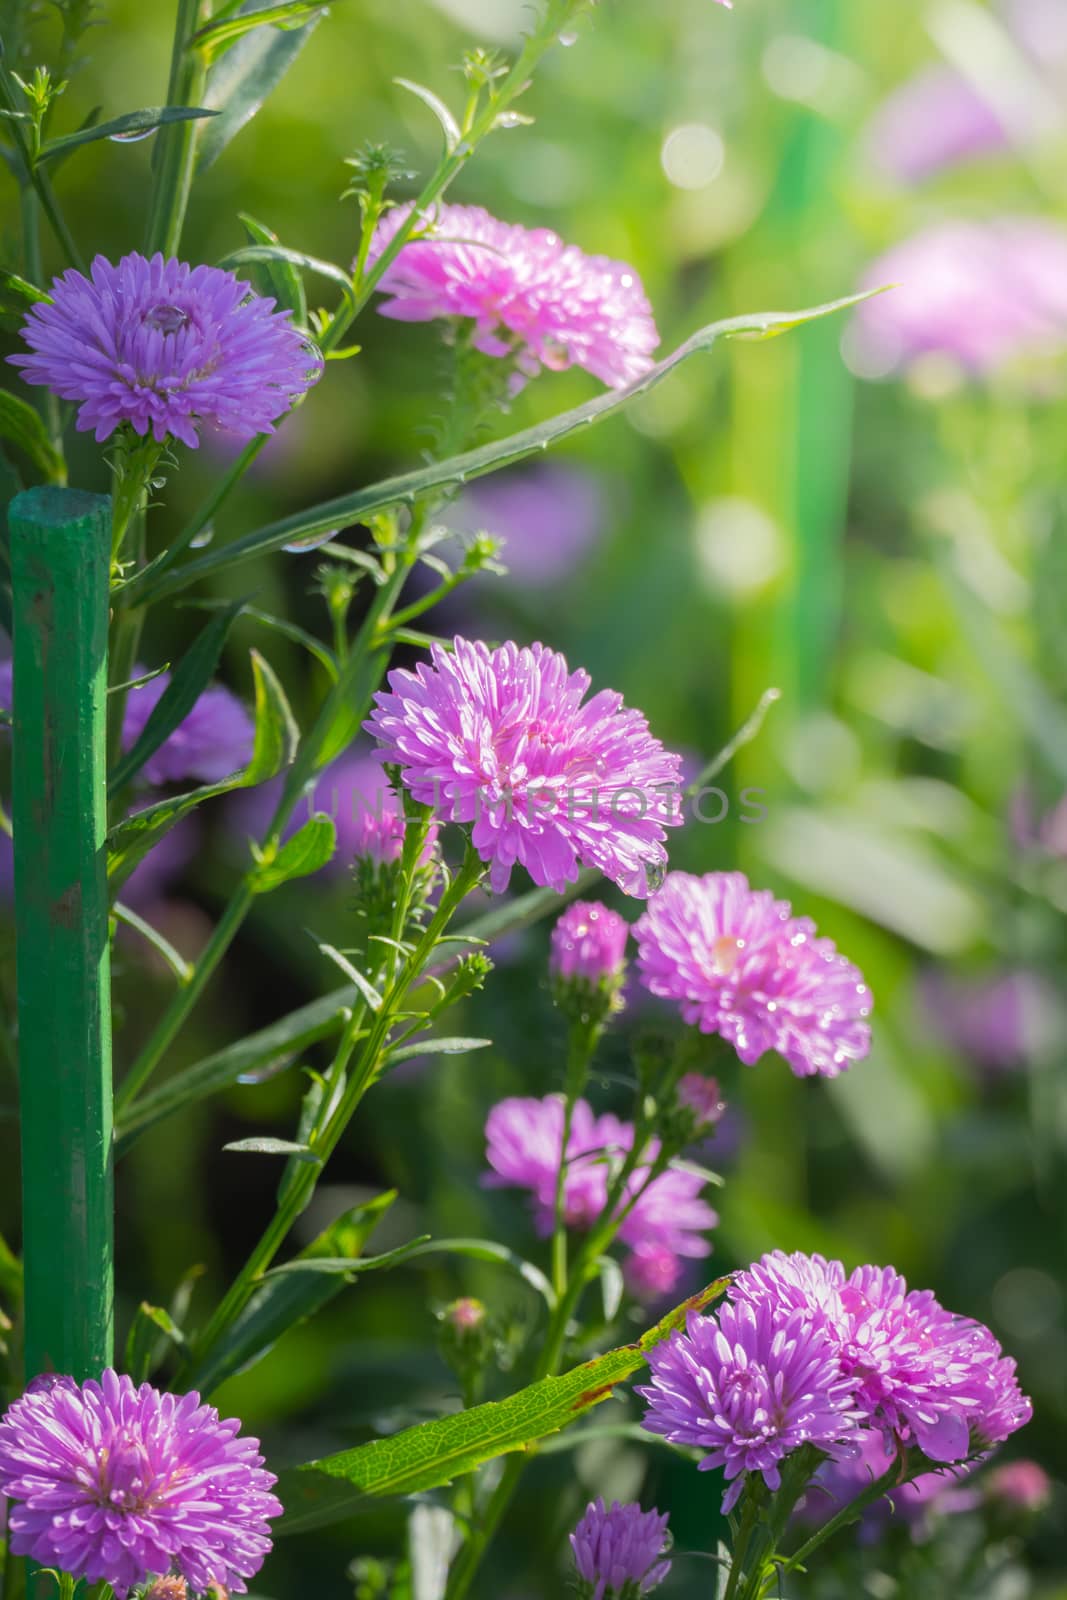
point(281, 1042)
point(131, 839)
point(307, 851)
point(277, 734)
point(17, 295)
point(278, 276)
point(215, 35)
point(434, 1047)
point(432, 1454)
point(151, 1330)
point(280, 254)
point(190, 678)
point(347, 1268)
point(22, 425)
point(282, 1302)
point(241, 80)
point(489, 1250)
point(134, 123)
point(453, 474)
point(449, 126)
point(260, 1146)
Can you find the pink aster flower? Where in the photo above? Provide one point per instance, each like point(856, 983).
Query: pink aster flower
point(703, 1097)
point(652, 1272)
point(1020, 1486)
point(985, 294)
point(524, 1138)
point(740, 965)
point(121, 1484)
point(620, 1552)
point(750, 1387)
point(588, 943)
point(922, 1374)
point(213, 741)
point(166, 347)
point(524, 290)
point(502, 739)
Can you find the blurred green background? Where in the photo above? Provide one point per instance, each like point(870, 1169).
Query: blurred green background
point(889, 554)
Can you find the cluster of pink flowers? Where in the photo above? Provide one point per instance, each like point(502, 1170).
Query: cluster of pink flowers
point(666, 1224)
point(526, 292)
point(739, 964)
point(506, 740)
point(804, 1353)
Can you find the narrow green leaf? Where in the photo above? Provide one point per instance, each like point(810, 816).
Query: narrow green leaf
point(278, 276)
point(285, 1301)
point(131, 839)
point(307, 851)
point(17, 294)
point(211, 38)
point(277, 734)
point(241, 80)
point(489, 1250)
point(260, 1146)
point(434, 1047)
point(151, 1330)
point(133, 124)
point(280, 254)
point(22, 425)
point(449, 126)
point(433, 1454)
point(460, 470)
point(342, 963)
point(344, 1266)
point(281, 1042)
point(189, 680)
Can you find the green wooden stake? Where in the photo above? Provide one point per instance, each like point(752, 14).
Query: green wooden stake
point(59, 570)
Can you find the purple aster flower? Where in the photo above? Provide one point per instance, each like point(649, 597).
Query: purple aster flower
point(214, 741)
point(750, 1388)
point(620, 1552)
point(501, 739)
point(998, 1022)
point(984, 294)
point(588, 943)
point(121, 1484)
point(524, 1138)
point(549, 517)
point(740, 965)
point(165, 346)
point(922, 1374)
point(525, 291)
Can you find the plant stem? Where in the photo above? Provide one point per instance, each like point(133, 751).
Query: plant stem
point(357, 681)
point(534, 47)
point(172, 163)
point(581, 1043)
point(890, 1479)
point(739, 1552)
point(325, 1141)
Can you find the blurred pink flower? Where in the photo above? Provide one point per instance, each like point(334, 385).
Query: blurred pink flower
point(525, 291)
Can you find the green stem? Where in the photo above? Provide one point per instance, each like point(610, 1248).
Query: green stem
point(466, 1566)
point(534, 47)
point(890, 1479)
point(172, 163)
point(31, 238)
point(59, 563)
point(581, 1044)
point(325, 1141)
point(357, 681)
point(739, 1553)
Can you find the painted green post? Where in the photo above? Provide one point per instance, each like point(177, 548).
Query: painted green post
point(60, 550)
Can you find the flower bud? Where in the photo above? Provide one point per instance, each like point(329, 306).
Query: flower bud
point(701, 1096)
point(587, 961)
